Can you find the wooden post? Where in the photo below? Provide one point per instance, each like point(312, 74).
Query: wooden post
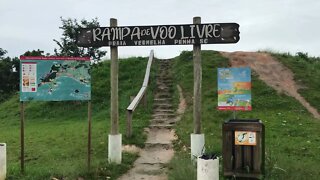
point(129, 124)
point(197, 75)
point(22, 136)
point(145, 99)
point(89, 135)
point(114, 84)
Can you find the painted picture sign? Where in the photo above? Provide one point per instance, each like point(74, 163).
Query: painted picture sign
point(245, 138)
point(213, 33)
point(55, 78)
point(234, 89)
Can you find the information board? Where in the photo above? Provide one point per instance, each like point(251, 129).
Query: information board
point(234, 89)
point(54, 78)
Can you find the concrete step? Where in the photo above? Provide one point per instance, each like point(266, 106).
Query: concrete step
point(163, 115)
point(147, 171)
point(164, 77)
point(163, 89)
point(156, 155)
point(156, 125)
point(162, 102)
point(162, 105)
point(164, 85)
point(164, 121)
point(160, 136)
point(162, 99)
point(158, 145)
point(163, 111)
point(160, 95)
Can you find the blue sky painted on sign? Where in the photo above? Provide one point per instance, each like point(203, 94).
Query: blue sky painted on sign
point(226, 77)
point(286, 25)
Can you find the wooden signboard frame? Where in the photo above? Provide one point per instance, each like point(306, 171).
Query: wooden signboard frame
point(22, 113)
point(184, 34)
point(193, 34)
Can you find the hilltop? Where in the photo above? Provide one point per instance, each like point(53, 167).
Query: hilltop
point(291, 140)
point(56, 132)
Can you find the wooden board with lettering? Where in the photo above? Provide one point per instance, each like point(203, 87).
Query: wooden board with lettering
point(187, 34)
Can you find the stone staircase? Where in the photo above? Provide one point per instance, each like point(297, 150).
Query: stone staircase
point(158, 149)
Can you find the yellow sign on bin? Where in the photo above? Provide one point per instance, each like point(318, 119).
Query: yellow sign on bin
point(245, 138)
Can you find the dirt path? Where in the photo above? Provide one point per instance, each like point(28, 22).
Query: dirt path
point(158, 149)
point(272, 73)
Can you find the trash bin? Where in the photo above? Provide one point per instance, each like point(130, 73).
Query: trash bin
point(3, 161)
point(243, 148)
point(208, 167)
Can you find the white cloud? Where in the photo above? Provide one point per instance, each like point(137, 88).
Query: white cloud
point(287, 25)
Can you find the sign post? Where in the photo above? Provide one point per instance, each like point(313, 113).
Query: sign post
point(89, 134)
point(22, 137)
point(197, 139)
point(115, 139)
point(197, 74)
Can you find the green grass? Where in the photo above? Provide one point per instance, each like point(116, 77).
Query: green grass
point(306, 73)
point(56, 132)
point(292, 134)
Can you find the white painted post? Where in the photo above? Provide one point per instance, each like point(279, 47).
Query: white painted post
point(115, 148)
point(3, 161)
point(197, 146)
point(197, 139)
point(115, 139)
point(208, 169)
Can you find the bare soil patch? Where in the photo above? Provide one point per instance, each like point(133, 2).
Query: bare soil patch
point(272, 72)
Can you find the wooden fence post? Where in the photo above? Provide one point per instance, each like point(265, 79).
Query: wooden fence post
point(22, 136)
point(197, 73)
point(145, 99)
point(114, 84)
point(114, 138)
point(89, 135)
point(129, 123)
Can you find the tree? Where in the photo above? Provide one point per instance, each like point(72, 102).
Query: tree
point(9, 79)
point(34, 53)
point(2, 53)
point(67, 44)
point(9, 72)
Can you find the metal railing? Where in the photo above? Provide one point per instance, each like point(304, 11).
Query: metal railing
point(142, 95)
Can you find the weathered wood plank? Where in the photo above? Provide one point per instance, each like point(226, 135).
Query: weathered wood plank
point(114, 85)
point(238, 158)
point(257, 156)
point(247, 158)
point(197, 75)
point(227, 151)
point(129, 123)
point(142, 94)
point(183, 34)
point(147, 75)
point(137, 99)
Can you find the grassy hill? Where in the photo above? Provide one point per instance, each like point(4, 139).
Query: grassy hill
point(56, 132)
point(307, 74)
point(292, 134)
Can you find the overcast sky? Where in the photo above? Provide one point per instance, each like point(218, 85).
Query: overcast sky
point(279, 25)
